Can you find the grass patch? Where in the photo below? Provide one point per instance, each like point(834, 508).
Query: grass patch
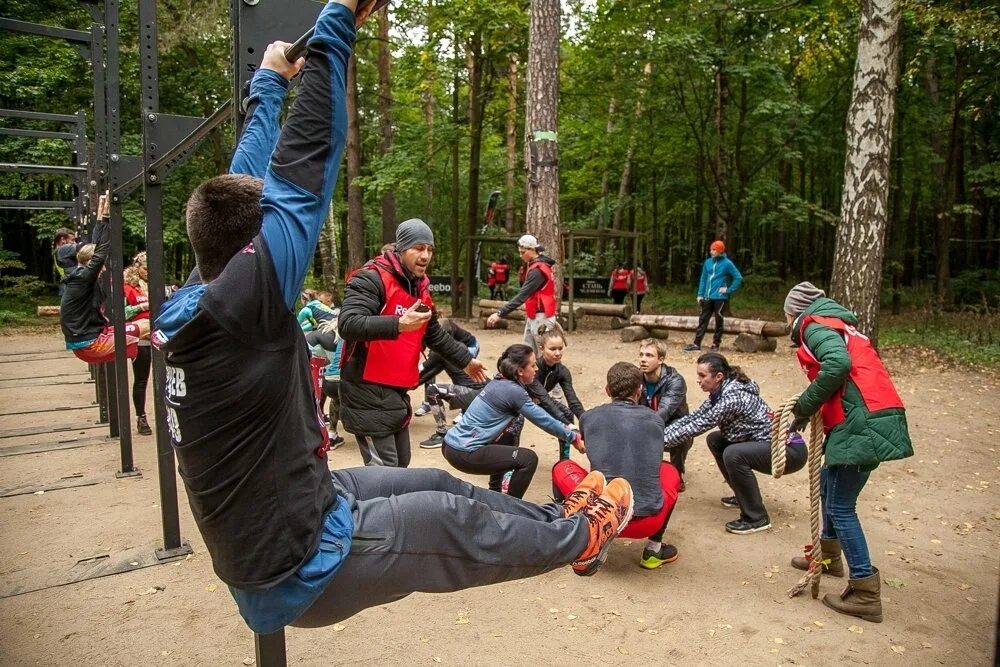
point(969, 337)
point(19, 315)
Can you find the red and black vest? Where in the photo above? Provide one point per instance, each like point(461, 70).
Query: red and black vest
point(544, 300)
point(641, 285)
point(500, 271)
point(868, 373)
point(619, 279)
point(394, 363)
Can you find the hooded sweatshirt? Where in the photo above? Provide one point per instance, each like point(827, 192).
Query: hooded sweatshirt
point(736, 408)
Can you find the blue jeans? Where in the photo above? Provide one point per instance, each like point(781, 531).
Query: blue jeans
point(840, 487)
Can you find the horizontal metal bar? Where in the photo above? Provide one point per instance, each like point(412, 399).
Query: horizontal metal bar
point(41, 169)
point(61, 408)
point(39, 115)
point(37, 134)
point(42, 447)
point(44, 430)
point(45, 30)
point(33, 204)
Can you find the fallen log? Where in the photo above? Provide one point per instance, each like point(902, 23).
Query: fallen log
point(47, 310)
point(634, 333)
point(579, 308)
point(752, 343)
point(731, 325)
point(487, 308)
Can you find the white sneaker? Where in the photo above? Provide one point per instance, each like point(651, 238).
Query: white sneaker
point(422, 410)
point(458, 418)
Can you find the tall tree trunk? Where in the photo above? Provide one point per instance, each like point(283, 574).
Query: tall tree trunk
point(540, 127)
point(602, 221)
point(328, 252)
point(385, 120)
point(857, 265)
point(510, 182)
point(625, 184)
point(474, 64)
point(356, 255)
point(720, 171)
point(456, 248)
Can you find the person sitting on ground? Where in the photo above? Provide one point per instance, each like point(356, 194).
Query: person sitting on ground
point(865, 424)
point(296, 542)
point(553, 382)
point(316, 311)
point(665, 392)
point(743, 442)
point(537, 292)
point(324, 343)
point(137, 308)
point(480, 444)
point(625, 440)
point(719, 279)
point(87, 332)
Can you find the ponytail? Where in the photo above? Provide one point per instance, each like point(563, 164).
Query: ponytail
point(513, 359)
point(718, 364)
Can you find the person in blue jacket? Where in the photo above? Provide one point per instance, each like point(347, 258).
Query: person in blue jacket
point(719, 279)
point(296, 542)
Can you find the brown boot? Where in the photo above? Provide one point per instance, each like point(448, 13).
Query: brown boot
point(861, 598)
point(831, 552)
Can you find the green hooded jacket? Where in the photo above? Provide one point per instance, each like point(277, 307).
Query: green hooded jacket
point(864, 438)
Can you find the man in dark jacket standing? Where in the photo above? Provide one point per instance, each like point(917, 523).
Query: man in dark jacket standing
point(386, 321)
point(665, 392)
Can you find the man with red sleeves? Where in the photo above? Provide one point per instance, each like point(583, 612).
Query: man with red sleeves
point(537, 292)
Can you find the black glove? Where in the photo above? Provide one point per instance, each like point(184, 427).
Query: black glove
point(798, 425)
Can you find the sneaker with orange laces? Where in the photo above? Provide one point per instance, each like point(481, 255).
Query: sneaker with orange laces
point(606, 517)
point(586, 493)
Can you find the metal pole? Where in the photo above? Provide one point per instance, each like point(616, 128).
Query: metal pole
point(270, 649)
point(100, 384)
point(115, 259)
point(153, 197)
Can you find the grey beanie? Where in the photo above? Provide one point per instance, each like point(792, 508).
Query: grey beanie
point(801, 297)
point(412, 232)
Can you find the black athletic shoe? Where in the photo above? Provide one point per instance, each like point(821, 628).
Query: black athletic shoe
point(142, 426)
point(653, 559)
point(433, 442)
point(714, 348)
point(691, 347)
point(730, 501)
point(336, 442)
point(744, 527)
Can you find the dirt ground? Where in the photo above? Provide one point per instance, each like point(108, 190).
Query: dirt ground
point(932, 523)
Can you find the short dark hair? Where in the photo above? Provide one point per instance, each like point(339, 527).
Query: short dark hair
point(223, 216)
point(513, 359)
point(60, 234)
point(623, 380)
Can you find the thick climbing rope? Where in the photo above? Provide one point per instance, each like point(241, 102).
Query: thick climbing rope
point(814, 442)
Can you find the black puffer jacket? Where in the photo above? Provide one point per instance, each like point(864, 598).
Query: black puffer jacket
point(372, 409)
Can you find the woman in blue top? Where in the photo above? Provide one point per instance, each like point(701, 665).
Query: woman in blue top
point(475, 444)
point(316, 311)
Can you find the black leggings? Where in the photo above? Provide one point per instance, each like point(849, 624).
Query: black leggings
point(331, 390)
point(495, 460)
point(140, 378)
point(710, 307)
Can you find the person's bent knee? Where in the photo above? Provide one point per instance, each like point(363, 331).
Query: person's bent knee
point(527, 459)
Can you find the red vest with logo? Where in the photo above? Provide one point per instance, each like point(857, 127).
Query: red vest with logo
point(394, 363)
point(868, 373)
point(500, 270)
point(641, 287)
point(619, 279)
point(544, 300)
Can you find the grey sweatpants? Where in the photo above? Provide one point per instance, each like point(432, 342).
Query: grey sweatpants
point(391, 450)
point(425, 530)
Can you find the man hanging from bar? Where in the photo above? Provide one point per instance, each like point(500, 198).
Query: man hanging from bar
point(297, 543)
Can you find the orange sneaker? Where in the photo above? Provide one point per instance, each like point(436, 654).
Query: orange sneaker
point(606, 517)
point(586, 493)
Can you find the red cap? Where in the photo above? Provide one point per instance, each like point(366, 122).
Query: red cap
point(717, 246)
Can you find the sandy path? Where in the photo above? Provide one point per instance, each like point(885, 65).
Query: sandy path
point(932, 523)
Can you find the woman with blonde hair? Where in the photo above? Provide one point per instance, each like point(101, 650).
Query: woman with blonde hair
point(137, 308)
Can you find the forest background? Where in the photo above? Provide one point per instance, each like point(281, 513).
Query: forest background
point(684, 121)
